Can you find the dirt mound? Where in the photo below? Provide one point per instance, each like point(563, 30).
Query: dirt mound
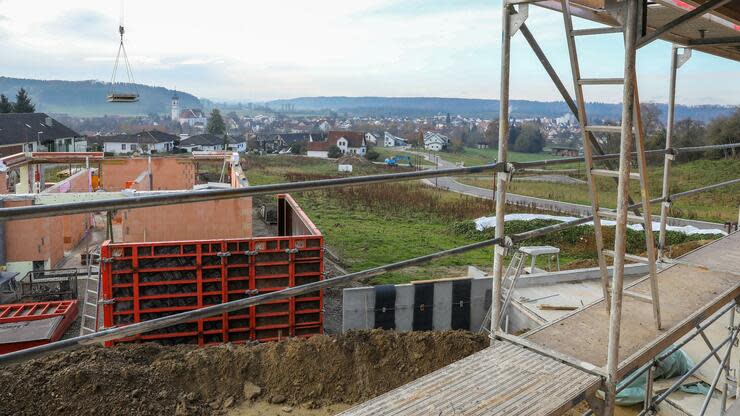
point(353, 160)
point(149, 379)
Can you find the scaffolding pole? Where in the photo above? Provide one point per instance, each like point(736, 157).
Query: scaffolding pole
point(628, 112)
point(501, 177)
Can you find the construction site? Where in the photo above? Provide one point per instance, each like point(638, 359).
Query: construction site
point(139, 285)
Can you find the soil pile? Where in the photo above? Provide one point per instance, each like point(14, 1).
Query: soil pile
point(149, 379)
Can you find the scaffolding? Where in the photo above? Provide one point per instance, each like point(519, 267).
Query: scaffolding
point(666, 20)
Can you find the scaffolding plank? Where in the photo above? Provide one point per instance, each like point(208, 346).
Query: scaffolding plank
point(690, 293)
point(505, 379)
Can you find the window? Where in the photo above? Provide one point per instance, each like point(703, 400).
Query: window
point(123, 146)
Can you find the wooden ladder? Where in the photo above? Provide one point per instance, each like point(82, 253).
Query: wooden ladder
point(593, 173)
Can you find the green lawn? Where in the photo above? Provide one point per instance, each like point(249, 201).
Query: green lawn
point(717, 205)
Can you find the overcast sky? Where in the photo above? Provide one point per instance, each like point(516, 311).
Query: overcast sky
point(259, 50)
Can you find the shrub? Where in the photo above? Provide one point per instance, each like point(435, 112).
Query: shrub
point(372, 155)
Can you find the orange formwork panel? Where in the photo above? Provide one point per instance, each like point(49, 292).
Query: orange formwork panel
point(143, 281)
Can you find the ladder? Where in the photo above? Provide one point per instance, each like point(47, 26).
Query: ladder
point(593, 173)
point(513, 271)
point(90, 304)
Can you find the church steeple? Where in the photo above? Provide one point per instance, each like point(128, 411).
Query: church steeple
point(175, 115)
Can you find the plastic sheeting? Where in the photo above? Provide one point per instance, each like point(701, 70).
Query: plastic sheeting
point(675, 365)
point(490, 222)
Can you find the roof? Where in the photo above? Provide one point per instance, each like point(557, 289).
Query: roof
point(25, 127)
point(431, 136)
point(319, 146)
point(354, 138)
point(206, 139)
point(145, 137)
point(192, 113)
point(721, 23)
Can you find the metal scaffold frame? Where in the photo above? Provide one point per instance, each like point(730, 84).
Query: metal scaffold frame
point(628, 17)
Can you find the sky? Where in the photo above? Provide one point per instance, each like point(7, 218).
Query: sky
point(262, 50)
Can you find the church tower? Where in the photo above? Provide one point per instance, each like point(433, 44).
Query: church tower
point(175, 107)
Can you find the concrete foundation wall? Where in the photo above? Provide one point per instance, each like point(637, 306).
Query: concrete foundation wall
point(168, 173)
point(229, 218)
point(359, 304)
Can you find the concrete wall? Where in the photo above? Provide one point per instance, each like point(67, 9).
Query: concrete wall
point(359, 304)
point(229, 218)
point(169, 173)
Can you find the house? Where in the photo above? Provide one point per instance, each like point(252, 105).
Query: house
point(482, 145)
point(390, 140)
point(324, 126)
point(435, 141)
point(193, 117)
point(29, 132)
point(372, 138)
point(150, 141)
point(208, 141)
point(275, 142)
point(348, 142)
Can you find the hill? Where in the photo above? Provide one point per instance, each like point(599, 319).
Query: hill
point(87, 98)
point(426, 106)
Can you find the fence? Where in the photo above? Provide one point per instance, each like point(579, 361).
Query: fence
point(52, 284)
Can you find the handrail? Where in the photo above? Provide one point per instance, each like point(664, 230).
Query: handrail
point(208, 311)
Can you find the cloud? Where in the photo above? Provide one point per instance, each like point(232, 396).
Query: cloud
point(81, 24)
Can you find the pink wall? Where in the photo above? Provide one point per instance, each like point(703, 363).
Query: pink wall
point(169, 173)
point(35, 239)
point(73, 226)
point(229, 218)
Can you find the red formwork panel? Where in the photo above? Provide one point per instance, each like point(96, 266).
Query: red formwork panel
point(23, 313)
point(143, 281)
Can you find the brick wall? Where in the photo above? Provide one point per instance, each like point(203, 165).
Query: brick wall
point(169, 173)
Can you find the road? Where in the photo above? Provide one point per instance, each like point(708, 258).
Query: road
point(579, 210)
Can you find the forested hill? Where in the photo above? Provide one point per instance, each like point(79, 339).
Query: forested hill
point(88, 98)
point(425, 106)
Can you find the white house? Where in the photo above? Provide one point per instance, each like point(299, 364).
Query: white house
point(390, 140)
point(193, 117)
point(435, 141)
point(372, 138)
point(151, 141)
point(210, 142)
point(348, 142)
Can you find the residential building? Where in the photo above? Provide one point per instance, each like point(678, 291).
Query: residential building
point(390, 140)
point(193, 117)
point(435, 141)
point(208, 141)
point(29, 132)
point(150, 141)
point(348, 142)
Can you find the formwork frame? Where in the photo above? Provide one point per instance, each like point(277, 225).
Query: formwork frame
point(631, 15)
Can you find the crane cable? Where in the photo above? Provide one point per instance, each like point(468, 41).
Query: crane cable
point(122, 50)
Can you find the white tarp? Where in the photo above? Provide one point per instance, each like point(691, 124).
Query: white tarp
point(490, 222)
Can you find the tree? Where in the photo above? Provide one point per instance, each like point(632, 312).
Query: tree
point(491, 134)
point(334, 152)
point(296, 148)
point(689, 132)
point(5, 105)
point(529, 139)
point(372, 155)
point(724, 130)
point(216, 123)
point(23, 103)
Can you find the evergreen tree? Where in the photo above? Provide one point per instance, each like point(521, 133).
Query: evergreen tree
point(5, 105)
point(216, 123)
point(23, 103)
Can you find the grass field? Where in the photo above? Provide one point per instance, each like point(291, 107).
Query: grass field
point(372, 225)
point(717, 205)
point(471, 157)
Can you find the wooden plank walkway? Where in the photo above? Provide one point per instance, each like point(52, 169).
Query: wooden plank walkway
point(507, 379)
point(504, 379)
point(688, 295)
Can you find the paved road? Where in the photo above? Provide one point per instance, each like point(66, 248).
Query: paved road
point(579, 210)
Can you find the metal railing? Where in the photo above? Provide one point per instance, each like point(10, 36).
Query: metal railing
point(52, 284)
point(209, 311)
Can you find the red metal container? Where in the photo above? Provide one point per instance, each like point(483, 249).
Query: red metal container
point(144, 281)
point(25, 325)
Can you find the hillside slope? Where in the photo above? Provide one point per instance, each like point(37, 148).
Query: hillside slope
point(88, 98)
